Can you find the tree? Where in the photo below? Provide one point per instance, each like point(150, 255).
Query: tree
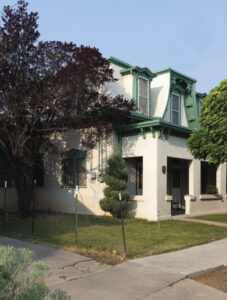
point(210, 142)
point(48, 87)
point(115, 177)
point(21, 277)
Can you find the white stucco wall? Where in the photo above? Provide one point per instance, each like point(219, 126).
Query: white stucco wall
point(145, 205)
point(11, 199)
point(123, 85)
point(154, 152)
point(160, 86)
point(54, 197)
point(176, 147)
point(184, 121)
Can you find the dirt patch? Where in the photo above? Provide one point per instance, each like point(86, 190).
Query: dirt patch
point(216, 279)
point(103, 257)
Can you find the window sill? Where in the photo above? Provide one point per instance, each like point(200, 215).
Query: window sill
point(168, 197)
point(189, 198)
point(209, 197)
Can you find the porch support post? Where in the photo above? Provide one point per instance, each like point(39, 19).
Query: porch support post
point(221, 179)
point(194, 183)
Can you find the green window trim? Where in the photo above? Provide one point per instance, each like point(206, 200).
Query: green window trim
point(74, 155)
point(135, 93)
point(137, 73)
point(171, 108)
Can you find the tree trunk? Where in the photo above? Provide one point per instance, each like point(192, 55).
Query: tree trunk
point(23, 179)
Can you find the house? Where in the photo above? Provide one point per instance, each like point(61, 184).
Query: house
point(164, 179)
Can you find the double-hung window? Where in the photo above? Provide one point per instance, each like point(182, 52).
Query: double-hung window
point(143, 95)
point(175, 109)
point(39, 170)
point(74, 168)
point(5, 172)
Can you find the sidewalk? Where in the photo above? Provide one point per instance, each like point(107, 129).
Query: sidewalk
point(220, 224)
point(159, 277)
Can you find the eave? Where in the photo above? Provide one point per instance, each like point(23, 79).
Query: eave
point(165, 70)
point(140, 71)
point(155, 125)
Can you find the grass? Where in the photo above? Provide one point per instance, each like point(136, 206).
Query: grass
point(216, 218)
point(101, 237)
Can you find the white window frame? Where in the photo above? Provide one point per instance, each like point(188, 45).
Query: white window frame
point(148, 93)
point(173, 110)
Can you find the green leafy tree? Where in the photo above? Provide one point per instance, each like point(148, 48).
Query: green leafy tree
point(116, 177)
point(210, 142)
point(22, 278)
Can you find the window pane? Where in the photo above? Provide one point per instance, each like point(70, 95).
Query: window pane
point(143, 105)
point(175, 102)
point(81, 171)
point(39, 173)
point(143, 87)
point(175, 117)
point(208, 177)
point(67, 169)
point(143, 95)
point(5, 173)
point(176, 178)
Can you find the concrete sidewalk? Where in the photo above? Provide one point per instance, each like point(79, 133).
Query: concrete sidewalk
point(164, 276)
point(207, 222)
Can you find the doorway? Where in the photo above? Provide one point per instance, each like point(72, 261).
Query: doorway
point(177, 183)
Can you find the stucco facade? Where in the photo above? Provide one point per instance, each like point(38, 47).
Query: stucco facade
point(164, 179)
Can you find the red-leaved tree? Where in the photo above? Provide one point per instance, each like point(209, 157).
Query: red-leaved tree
point(48, 87)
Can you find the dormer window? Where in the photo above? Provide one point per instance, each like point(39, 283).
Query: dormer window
point(141, 79)
point(143, 95)
point(175, 109)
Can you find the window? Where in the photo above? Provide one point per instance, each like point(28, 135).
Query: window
point(139, 174)
point(143, 95)
point(81, 171)
point(39, 171)
point(135, 175)
point(175, 109)
point(5, 173)
point(74, 168)
point(208, 178)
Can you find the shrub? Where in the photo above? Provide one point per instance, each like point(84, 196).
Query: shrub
point(22, 278)
point(211, 189)
point(116, 177)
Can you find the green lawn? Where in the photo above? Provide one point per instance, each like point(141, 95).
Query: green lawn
point(217, 218)
point(101, 236)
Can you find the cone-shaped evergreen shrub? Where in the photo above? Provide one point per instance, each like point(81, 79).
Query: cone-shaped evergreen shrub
point(116, 179)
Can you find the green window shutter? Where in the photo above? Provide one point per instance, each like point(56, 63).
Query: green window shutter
point(68, 172)
point(81, 176)
point(73, 168)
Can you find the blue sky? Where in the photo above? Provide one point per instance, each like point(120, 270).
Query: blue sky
point(189, 36)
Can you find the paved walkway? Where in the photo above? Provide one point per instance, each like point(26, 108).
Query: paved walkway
point(65, 266)
point(220, 224)
point(159, 277)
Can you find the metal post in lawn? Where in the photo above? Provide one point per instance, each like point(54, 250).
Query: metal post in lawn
point(33, 209)
point(122, 226)
point(76, 214)
point(4, 207)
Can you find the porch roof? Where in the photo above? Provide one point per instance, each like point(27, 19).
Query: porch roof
point(154, 125)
